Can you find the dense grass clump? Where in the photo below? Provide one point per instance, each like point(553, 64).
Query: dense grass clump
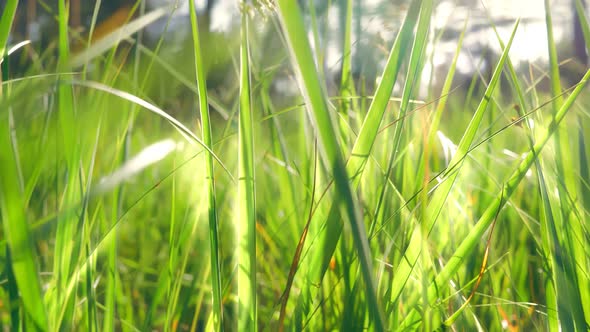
point(148, 188)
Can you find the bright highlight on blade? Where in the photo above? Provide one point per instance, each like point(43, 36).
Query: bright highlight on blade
point(148, 156)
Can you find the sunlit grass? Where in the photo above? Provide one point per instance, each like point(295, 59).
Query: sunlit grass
point(137, 192)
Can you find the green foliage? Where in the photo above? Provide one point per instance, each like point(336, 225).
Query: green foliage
point(146, 188)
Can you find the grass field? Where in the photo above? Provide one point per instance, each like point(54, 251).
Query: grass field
point(137, 196)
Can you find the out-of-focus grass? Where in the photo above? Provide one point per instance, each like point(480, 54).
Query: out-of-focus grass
point(330, 209)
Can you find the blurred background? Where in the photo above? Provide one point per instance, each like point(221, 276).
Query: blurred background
point(376, 23)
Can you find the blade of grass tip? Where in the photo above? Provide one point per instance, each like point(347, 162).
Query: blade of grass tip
point(182, 129)
point(304, 65)
point(412, 78)
point(573, 234)
point(6, 21)
point(246, 219)
point(347, 90)
point(112, 278)
point(404, 269)
point(21, 252)
point(210, 175)
point(468, 244)
point(440, 107)
point(366, 137)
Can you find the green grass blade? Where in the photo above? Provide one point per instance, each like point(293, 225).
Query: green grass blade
point(16, 230)
point(474, 236)
point(327, 238)
point(442, 103)
point(580, 11)
point(363, 144)
point(66, 242)
point(553, 61)
point(246, 219)
point(404, 269)
point(6, 21)
point(583, 143)
point(212, 206)
point(560, 313)
point(411, 81)
point(574, 234)
point(348, 106)
point(313, 93)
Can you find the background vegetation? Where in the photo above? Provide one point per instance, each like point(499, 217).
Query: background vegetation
point(144, 187)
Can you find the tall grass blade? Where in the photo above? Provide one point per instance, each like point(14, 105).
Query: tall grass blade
point(442, 103)
point(559, 289)
point(362, 147)
point(584, 167)
point(547, 223)
point(20, 249)
point(328, 213)
point(313, 93)
point(411, 81)
point(347, 89)
point(210, 175)
point(246, 218)
point(67, 240)
point(569, 222)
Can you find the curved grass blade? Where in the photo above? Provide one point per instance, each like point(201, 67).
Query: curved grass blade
point(361, 150)
point(473, 238)
point(212, 206)
point(314, 96)
point(404, 269)
point(182, 129)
